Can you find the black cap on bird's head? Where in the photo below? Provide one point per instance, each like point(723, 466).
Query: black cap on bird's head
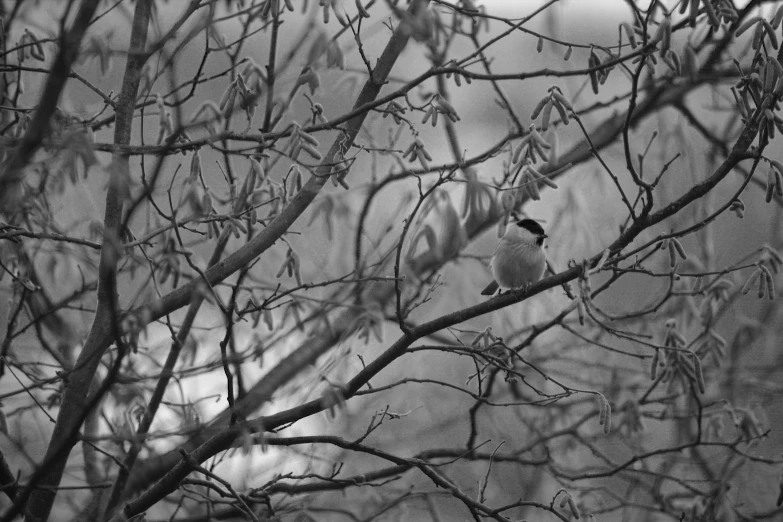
point(532, 226)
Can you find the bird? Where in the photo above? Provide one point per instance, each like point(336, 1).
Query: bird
point(519, 258)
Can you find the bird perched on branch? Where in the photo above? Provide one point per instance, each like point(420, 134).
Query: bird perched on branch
point(519, 258)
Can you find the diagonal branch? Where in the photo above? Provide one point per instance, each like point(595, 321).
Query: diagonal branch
point(72, 411)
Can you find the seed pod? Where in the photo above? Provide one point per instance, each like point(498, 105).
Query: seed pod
point(751, 280)
point(224, 99)
point(313, 81)
point(693, 14)
point(311, 151)
point(770, 287)
point(195, 167)
point(539, 108)
point(308, 138)
point(727, 12)
point(238, 225)
point(739, 102)
point(691, 62)
point(532, 186)
point(428, 114)
point(747, 25)
point(561, 110)
point(206, 202)
point(672, 254)
point(362, 11)
point(603, 412)
point(775, 257)
point(298, 180)
point(536, 138)
point(540, 44)
point(425, 153)
point(21, 48)
point(683, 6)
point(765, 270)
point(770, 77)
point(654, 367)
point(478, 338)
point(758, 35)
point(593, 62)
point(672, 60)
point(770, 186)
point(296, 148)
point(340, 15)
point(283, 267)
point(546, 116)
point(539, 150)
point(666, 39)
point(519, 149)
point(777, 18)
point(777, 165)
point(444, 105)
point(573, 508)
point(778, 89)
point(774, 266)
point(699, 374)
point(568, 52)
point(680, 249)
point(562, 99)
point(337, 55)
point(580, 310)
point(295, 267)
point(710, 10)
point(630, 34)
point(421, 155)
point(435, 118)
point(773, 40)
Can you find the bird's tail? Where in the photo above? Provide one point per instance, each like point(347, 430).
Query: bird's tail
point(491, 288)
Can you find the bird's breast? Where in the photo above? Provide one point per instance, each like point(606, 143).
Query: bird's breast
point(516, 265)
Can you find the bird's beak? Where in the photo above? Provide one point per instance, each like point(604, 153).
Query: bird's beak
point(544, 235)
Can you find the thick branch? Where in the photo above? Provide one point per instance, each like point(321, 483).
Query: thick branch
point(72, 414)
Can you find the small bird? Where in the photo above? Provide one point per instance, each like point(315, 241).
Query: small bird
point(519, 258)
